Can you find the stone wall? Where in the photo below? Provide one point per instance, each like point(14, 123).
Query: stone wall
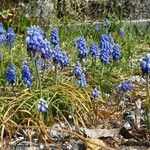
point(94, 9)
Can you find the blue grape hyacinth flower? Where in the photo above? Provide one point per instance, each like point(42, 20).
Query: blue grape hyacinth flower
point(10, 74)
point(35, 30)
point(82, 80)
point(80, 43)
point(34, 38)
point(10, 37)
point(96, 27)
point(55, 40)
point(2, 34)
point(145, 64)
point(104, 56)
point(57, 55)
point(93, 49)
point(77, 71)
point(42, 105)
point(26, 74)
point(63, 60)
point(116, 52)
point(121, 31)
point(95, 93)
point(106, 46)
point(44, 49)
point(124, 86)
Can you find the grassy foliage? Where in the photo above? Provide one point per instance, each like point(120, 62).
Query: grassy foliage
point(18, 103)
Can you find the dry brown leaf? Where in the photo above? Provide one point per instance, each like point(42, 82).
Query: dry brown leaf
point(95, 144)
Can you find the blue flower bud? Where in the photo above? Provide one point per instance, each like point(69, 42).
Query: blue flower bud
point(2, 34)
point(77, 71)
point(26, 74)
point(10, 37)
point(42, 105)
point(81, 45)
point(55, 36)
point(93, 49)
point(82, 80)
point(124, 86)
point(10, 74)
point(116, 52)
point(121, 31)
point(145, 64)
point(95, 93)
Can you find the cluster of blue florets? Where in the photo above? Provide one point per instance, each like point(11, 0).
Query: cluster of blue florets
point(108, 48)
point(2, 34)
point(42, 105)
point(145, 64)
point(80, 43)
point(37, 44)
point(10, 37)
point(79, 75)
point(95, 93)
point(124, 86)
point(59, 57)
point(93, 50)
point(26, 74)
point(55, 40)
point(10, 74)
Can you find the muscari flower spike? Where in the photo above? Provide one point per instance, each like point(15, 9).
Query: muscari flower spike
point(116, 52)
point(44, 49)
point(96, 27)
point(10, 37)
point(77, 71)
point(106, 46)
point(26, 74)
point(124, 86)
point(121, 31)
point(82, 80)
point(34, 38)
point(42, 105)
point(93, 49)
point(63, 60)
point(145, 64)
point(57, 55)
point(55, 36)
point(95, 93)
point(80, 43)
point(2, 34)
point(10, 74)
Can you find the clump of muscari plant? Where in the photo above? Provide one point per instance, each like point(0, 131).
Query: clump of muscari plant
point(55, 40)
point(80, 43)
point(26, 74)
point(79, 75)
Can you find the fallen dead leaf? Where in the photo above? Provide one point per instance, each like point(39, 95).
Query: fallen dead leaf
point(96, 144)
